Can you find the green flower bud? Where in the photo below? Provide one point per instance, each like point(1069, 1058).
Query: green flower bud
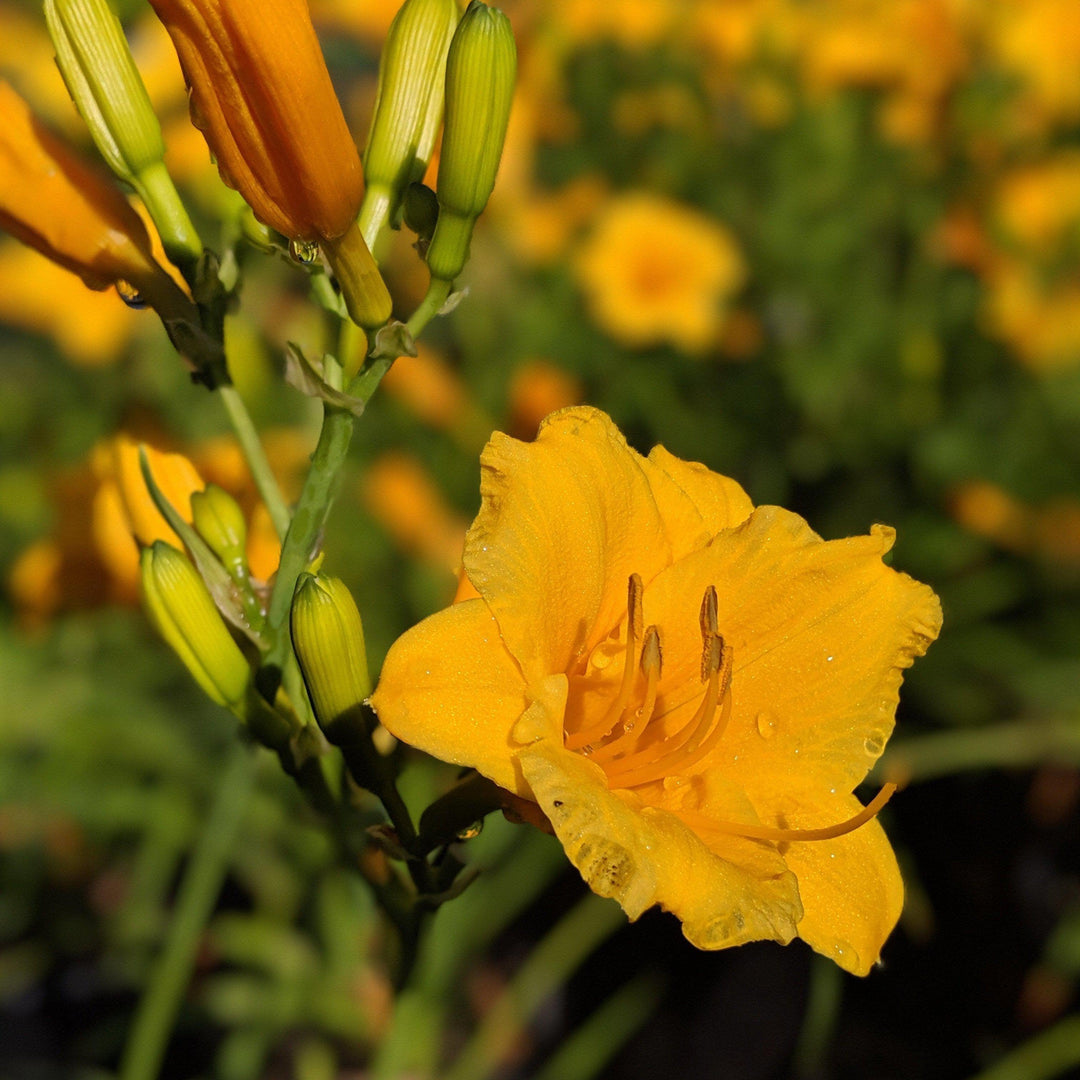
point(218, 519)
point(480, 71)
point(408, 105)
point(328, 638)
point(96, 63)
point(179, 605)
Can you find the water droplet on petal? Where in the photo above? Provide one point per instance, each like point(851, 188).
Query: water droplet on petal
point(471, 832)
point(673, 783)
point(766, 723)
point(303, 251)
point(828, 659)
point(874, 744)
point(130, 295)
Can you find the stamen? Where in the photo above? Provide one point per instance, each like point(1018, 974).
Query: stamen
point(634, 619)
point(694, 740)
point(765, 832)
point(651, 662)
point(712, 643)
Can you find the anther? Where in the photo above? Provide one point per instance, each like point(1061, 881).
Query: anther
point(635, 724)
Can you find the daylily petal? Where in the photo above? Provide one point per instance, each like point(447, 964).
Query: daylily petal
point(851, 888)
point(717, 500)
point(642, 856)
point(565, 521)
point(420, 696)
point(821, 633)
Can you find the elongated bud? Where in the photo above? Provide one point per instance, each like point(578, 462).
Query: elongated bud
point(328, 638)
point(362, 287)
point(480, 72)
point(218, 519)
point(408, 106)
point(180, 606)
point(262, 96)
point(96, 63)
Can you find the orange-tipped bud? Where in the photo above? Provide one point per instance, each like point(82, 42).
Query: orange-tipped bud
point(262, 96)
point(177, 478)
point(53, 200)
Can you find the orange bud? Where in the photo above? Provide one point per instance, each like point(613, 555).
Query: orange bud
point(262, 96)
point(56, 202)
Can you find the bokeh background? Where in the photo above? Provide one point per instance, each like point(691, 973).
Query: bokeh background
point(827, 247)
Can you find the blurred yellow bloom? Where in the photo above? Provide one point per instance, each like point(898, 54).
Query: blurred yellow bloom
point(1039, 41)
point(89, 327)
point(58, 204)
point(401, 496)
point(654, 271)
point(262, 95)
point(537, 389)
point(632, 23)
point(988, 510)
point(693, 737)
point(27, 60)
point(1038, 205)
point(1040, 319)
point(92, 557)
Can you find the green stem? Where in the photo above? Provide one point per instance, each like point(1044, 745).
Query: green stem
point(256, 458)
point(429, 307)
point(1050, 1053)
point(178, 236)
point(819, 1023)
point(1017, 744)
point(199, 890)
point(565, 948)
point(312, 509)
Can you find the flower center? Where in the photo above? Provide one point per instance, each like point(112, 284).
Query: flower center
point(632, 748)
point(618, 742)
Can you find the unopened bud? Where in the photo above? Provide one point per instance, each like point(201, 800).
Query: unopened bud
point(328, 638)
point(408, 104)
point(362, 287)
point(480, 71)
point(218, 519)
point(96, 63)
point(181, 608)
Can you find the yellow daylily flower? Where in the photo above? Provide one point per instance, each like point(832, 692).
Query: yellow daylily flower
point(55, 202)
point(689, 688)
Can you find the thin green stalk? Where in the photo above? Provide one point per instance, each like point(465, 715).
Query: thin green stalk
point(199, 890)
point(1050, 1053)
point(565, 948)
point(429, 307)
point(1018, 744)
point(256, 459)
point(819, 1023)
point(312, 509)
point(587, 1050)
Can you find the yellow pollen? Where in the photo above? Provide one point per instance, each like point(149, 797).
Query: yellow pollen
point(634, 619)
point(784, 836)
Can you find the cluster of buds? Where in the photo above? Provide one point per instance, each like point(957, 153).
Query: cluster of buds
point(261, 95)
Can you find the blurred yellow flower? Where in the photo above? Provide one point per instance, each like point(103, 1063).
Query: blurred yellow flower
point(89, 327)
point(693, 737)
point(401, 496)
point(55, 202)
point(537, 389)
point(91, 556)
point(654, 271)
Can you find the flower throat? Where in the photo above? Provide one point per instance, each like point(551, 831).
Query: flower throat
point(616, 742)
